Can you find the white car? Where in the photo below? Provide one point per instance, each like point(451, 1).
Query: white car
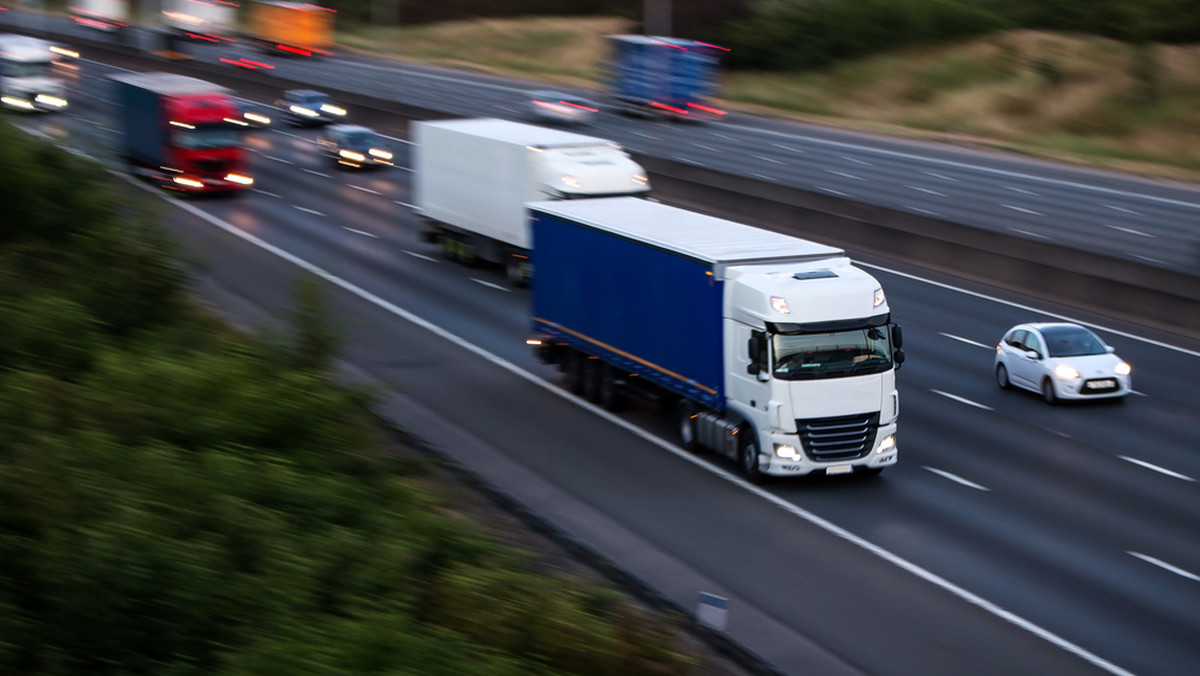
point(1060, 361)
point(560, 108)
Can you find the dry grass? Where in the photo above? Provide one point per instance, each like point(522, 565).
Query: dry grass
point(1066, 97)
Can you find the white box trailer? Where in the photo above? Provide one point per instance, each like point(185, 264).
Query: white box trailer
point(473, 177)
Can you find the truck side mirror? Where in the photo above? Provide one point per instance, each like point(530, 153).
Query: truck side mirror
point(897, 336)
point(898, 357)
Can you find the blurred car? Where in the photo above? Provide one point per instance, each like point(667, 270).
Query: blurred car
point(252, 115)
point(1060, 361)
point(308, 107)
point(560, 108)
point(355, 146)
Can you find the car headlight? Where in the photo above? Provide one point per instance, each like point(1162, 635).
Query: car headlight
point(1066, 372)
point(353, 156)
point(332, 109)
point(1123, 369)
point(787, 452)
point(381, 154)
point(888, 443)
point(306, 112)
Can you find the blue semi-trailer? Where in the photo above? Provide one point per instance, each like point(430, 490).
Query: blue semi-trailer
point(774, 351)
point(662, 76)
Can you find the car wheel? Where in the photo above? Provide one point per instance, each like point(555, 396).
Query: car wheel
point(748, 456)
point(686, 415)
point(1002, 377)
point(1048, 392)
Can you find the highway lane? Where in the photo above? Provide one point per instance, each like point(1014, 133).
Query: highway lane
point(1049, 539)
point(1152, 222)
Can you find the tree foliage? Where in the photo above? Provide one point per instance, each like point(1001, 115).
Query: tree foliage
point(177, 498)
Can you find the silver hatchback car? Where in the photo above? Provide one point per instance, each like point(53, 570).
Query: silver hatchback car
point(1060, 361)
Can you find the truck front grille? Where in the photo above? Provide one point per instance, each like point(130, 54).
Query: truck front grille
point(841, 438)
point(212, 167)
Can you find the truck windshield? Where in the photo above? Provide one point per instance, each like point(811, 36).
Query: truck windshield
point(205, 137)
point(838, 354)
point(19, 69)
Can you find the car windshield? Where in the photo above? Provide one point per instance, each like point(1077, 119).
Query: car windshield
point(1071, 341)
point(313, 99)
point(18, 69)
point(362, 139)
point(837, 354)
point(205, 137)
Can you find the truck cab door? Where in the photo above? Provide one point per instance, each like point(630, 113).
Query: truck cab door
point(748, 364)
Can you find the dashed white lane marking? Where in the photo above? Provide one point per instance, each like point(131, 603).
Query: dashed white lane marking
point(772, 160)
point(268, 194)
point(422, 256)
point(404, 204)
point(923, 211)
point(1023, 191)
point(1123, 210)
point(968, 341)
point(763, 176)
point(1164, 565)
point(790, 149)
point(963, 400)
point(277, 159)
point(1021, 209)
point(645, 135)
point(856, 160)
point(1030, 233)
point(832, 190)
point(1150, 260)
point(941, 176)
point(956, 479)
point(926, 190)
point(306, 210)
point(361, 232)
point(1156, 468)
point(359, 187)
point(845, 175)
point(490, 285)
point(314, 172)
point(704, 147)
point(1130, 231)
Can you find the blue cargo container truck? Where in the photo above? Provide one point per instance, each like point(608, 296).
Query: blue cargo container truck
point(774, 351)
point(659, 76)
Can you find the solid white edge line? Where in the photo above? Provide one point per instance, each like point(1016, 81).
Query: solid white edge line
point(1156, 468)
point(803, 514)
point(963, 400)
point(1027, 308)
point(955, 478)
point(788, 507)
point(1164, 565)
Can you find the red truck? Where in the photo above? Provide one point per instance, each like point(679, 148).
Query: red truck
point(180, 132)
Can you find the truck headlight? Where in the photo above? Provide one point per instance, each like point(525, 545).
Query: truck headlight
point(189, 182)
point(240, 179)
point(887, 444)
point(787, 452)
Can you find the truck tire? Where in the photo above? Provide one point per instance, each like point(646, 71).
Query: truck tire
point(573, 368)
point(748, 455)
point(685, 416)
point(611, 396)
point(593, 373)
point(514, 270)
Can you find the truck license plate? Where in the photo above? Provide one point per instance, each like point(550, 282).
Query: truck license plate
point(839, 469)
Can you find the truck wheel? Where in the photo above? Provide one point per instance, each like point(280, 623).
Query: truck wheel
point(611, 396)
point(573, 366)
point(593, 373)
point(514, 270)
point(686, 416)
point(748, 455)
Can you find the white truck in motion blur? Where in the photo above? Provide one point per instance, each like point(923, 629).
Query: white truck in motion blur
point(473, 177)
point(775, 351)
point(27, 79)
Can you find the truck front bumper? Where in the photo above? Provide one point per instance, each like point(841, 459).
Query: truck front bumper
point(776, 460)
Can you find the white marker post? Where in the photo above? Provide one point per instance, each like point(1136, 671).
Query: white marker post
point(712, 611)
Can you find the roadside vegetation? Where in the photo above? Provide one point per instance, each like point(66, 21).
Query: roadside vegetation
point(180, 498)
